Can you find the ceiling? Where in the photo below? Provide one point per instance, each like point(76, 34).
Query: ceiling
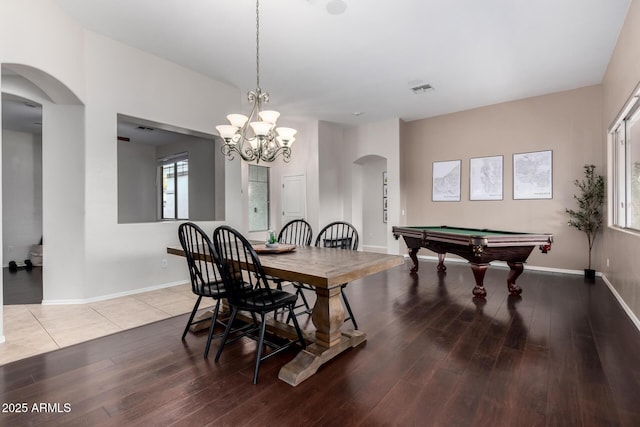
point(329, 59)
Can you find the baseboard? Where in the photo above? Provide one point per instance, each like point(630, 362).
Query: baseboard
point(503, 264)
point(111, 296)
point(615, 293)
point(376, 249)
point(622, 303)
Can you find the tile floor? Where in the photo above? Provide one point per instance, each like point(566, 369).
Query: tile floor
point(33, 329)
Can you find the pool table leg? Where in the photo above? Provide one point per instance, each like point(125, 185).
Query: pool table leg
point(515, 271)
point(441, 266)
point(478, 273)
point(413, 254)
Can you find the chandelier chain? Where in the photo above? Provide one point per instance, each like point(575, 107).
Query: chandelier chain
point(256, 137)
point(258, 44)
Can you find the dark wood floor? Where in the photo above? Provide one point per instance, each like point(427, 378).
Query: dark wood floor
point(564, 354)
point(22, 286)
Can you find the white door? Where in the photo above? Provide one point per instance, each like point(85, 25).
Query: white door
point(294, 197)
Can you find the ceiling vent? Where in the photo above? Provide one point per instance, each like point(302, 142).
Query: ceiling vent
point(422, 89)
point(148, 129)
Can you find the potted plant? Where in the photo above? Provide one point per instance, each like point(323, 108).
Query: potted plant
point(588, 216)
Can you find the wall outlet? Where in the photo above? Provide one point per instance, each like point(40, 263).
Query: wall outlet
point(164, 263)
point(9, 249)
point(607, 262)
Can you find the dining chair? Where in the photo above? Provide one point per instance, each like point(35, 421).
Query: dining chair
point(250, 292)
point(340, 234)
point(206, 280)
point(296, 232)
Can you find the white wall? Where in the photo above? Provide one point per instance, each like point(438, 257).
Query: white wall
point(374, 139)
point(304, 161)
point(22, 188)
point(374, 230)
point(331, 164)
point(126, 257)
point(88, 254)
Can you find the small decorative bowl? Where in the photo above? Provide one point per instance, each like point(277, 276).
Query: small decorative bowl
point(271, 245)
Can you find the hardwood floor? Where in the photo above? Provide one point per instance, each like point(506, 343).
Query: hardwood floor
point(22, 286)
point(564, 354)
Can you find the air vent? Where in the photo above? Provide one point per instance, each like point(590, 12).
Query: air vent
point(422, 89)
point(145, 128)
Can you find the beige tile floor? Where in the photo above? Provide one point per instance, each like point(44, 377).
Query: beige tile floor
point(34, 329)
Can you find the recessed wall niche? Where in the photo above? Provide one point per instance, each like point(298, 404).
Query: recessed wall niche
point(168, 173)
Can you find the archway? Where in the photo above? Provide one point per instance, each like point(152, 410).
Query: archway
point(368, 201)
point(62, 177)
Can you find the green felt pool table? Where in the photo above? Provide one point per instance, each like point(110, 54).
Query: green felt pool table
point(477, 246)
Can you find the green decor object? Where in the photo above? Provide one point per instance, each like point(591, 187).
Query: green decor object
point(588, 217)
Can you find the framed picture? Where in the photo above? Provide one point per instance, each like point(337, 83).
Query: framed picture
point(384, 196)
point(485, 178)
point(446, 181)
point(533, 175)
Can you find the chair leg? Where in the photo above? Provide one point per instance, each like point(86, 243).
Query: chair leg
point(193, 313)
point(300, 292)
point(263, 327)
point(346, 303)
point(234, 312)
point(214, 319)
point(305, 304)
point(297, 326)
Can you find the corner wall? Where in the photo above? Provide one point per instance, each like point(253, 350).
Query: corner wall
point(568, 123)
point(621, 77)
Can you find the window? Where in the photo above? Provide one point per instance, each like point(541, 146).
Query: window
point(174, 172)
point(258, 198)
point(149, 155)
point(625, 138)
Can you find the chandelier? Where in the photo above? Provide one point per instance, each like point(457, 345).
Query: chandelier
point(256, 137)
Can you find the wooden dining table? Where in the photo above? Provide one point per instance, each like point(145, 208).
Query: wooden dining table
point(325, 269)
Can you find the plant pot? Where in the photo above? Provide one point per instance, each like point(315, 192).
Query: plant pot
point(589, 274)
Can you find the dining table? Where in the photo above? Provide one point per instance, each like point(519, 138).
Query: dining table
point(325, 270)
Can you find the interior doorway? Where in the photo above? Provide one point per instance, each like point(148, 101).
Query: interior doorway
point(22, 200)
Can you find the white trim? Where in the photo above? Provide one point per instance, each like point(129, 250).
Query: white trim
point(2, 339)
point(111, 296)
point(374, 248)
point(503, 264)
point(622, 303)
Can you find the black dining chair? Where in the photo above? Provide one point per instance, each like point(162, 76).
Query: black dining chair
point(340, 234)
point(296, 232)
point(249, 291)
point(206, 280)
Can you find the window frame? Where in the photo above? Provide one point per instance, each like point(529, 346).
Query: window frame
point(268, 201)
point(620, 152)
point(174, 161)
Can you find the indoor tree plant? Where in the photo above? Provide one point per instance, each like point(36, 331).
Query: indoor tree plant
point(588, 216)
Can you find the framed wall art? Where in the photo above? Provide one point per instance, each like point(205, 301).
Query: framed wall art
point(485, 178)
point(446, 181)
point(533, 175)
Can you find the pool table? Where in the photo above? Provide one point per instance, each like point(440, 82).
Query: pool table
point(477, 246)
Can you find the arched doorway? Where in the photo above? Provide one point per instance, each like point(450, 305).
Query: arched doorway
point(61, 175)
point(368, 201)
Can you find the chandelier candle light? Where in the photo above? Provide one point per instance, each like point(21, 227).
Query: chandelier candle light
point(256, 137)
